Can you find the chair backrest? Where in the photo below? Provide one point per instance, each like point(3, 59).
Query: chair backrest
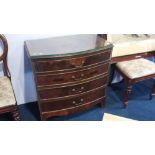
point(3, 56)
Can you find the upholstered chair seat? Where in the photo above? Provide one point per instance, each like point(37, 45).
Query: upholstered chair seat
point(135, 71)
point(137, 68)
point(7, 97)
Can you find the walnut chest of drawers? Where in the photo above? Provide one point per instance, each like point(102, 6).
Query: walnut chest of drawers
point(71, 73)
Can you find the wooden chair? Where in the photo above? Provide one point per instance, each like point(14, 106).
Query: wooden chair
point(7, 98)
point(135, 71)
point(133, 67)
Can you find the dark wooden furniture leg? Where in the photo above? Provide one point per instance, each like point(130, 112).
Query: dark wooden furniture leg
point(127, 93)
point(153, 91)
point(43, 117)
point(112, 72)
point(16, 115)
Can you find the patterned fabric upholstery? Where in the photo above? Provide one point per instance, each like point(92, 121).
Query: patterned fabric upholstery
point(6, 93)
point(0, 55)
point(137, 68)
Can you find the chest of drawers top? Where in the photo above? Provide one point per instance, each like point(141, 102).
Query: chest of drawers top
point(66, 46)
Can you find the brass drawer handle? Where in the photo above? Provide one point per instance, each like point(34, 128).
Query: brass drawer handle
point(78, 91)
point(73, 77)
point(78, 103)
point(80, 78)
point(82, 88)
point(82, 75)
point(73, 90)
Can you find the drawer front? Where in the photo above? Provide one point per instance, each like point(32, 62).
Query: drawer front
point(73, 110)
point(78, 101)
point(70, 77)
point(47, 65)
point(60, 92)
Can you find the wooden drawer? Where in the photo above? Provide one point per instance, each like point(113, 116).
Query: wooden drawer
point(66, 103)
point(73, 110)
point(48, 65)
point(71, 77)
point(60, 92)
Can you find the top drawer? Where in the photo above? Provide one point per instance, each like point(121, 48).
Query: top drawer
point(47, 65)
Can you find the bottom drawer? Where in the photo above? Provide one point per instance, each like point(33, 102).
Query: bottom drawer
point(57, 105)
point(73, 110)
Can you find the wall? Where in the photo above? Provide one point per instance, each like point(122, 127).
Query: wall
point(20, 68)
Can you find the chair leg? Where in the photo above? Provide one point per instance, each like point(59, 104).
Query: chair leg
point(112, 72)
point(152, 92)
point(127, 94)
point(16, 115)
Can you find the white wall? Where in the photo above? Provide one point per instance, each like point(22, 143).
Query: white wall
point(21, 72)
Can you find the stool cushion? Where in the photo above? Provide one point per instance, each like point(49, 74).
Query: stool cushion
point(7, 97)
point(137, 68)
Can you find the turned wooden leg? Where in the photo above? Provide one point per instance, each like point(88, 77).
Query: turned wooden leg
point(127, 93)
point(152, 92)
point(16, 115)
point(112, 72)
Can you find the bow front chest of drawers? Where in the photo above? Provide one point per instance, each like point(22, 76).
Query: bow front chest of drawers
point(71, 73)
